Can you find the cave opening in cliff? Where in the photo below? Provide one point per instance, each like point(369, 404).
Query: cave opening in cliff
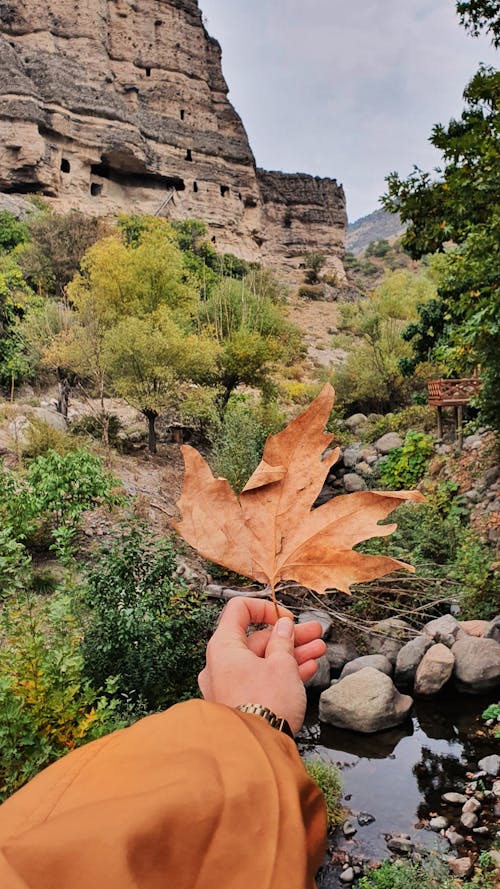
point(182, 114)
point(148, 72)
point(65, 165)
point(195, 187)
point(189, 154)
point(95, 189)
point(136, 178)
point(224, 190)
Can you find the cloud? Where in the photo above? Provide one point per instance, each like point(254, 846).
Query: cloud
point(348, 90)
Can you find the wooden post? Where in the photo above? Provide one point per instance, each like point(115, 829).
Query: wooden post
point(440, 421)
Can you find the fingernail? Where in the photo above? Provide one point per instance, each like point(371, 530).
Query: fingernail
point(285, 627)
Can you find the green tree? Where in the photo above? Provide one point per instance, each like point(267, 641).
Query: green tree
point(314, 262)
point(13, 231)
point(458, 214)
point(479, 15)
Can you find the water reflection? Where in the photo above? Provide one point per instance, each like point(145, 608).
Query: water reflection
point(399, 775)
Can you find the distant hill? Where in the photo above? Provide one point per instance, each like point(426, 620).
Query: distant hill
point(373, 227)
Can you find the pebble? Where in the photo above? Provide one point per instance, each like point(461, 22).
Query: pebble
point(365, 818)
point(348, 829)
point(455, 799)
point(455, 839)
point(469, 820)
point(347, 875)
point(481, 831)
point(438, 823)
point(472, 805)
point(496, 788)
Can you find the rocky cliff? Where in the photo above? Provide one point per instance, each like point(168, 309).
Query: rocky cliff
point(121, 105)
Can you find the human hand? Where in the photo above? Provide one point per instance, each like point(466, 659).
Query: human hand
point(269, 667)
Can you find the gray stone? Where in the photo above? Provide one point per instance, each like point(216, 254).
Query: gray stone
point(408, 659)
point(496, 788)
point(460, 867)
point(348, 829)
point(477, 663)
point(355, 420)
point(321, 678)
point(353, 483)
point(492, 631)
point(388, 442)
point(400, 843)
point(454, 799)
point(481, 831)
point(454, 838)
point(438, 823)
point(317, 614)
point(388, 637)
point(434, 670)
point(364, 470)
point(352, 455)
point(365, 818)
point(347, 875)
point(338, 653)
point(51, 418)
point(472, 805)
point(377, 661)
point(445, 629)
point(366, 701)
point(491, 765)
point(468, 820)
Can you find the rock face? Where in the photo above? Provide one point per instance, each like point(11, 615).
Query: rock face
point(366, 701)
point(122, 106)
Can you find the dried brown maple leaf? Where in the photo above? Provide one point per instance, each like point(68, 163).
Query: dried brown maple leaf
point(271, 533)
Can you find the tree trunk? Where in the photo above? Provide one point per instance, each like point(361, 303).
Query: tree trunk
point(63, 399)
point(151, 418)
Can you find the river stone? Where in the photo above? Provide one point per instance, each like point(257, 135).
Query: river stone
point(388, 442)
point(317, 614)
point(491, 765)
point(477, 663)
point(434, 670)
point(365, 818)
point(400, 843)
point(409, 658)
point(496, 788)
point(388, 637)
point(364, 469)
point(338, 653)
point(454, 799)
point(366, 701)
point(347, 875)
point(460, 867)
point(468, 820)
point(353, 483)
point(355, 420)
point(493, 629)
point(454, 838)
point(352, 455)
point(474, 627)
point(445, 629)
point(321, 678)
point(377, 661)
point(348, 829)
point(472, 805)
point(438, 823)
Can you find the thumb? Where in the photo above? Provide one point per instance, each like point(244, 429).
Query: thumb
point(282, 639)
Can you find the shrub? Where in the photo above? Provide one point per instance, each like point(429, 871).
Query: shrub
point(311, 291)
point(405, 466)
point(478, 577)
point(493, 712)
point(13, 231)
point(240, 440)
point(94, 424)
point(47, 706)
point(144, 625)
point(40, 438)
point(327, 777)
point(429, 873)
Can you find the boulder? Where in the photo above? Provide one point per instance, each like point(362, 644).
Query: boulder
point(388, 637)
point(388, 442)
point(321, 678)
point(445, 629)
point(377, 661)
point(366, 701)
point(408, 659)
point(355, 420)
point(474, 627)
point(493, 629)
point(400, 843)
point(51, 418)
point(317, 614)
point(434, 670)
point(477, 663)
point(491, 765)
point(338, 653)
point(353, 483)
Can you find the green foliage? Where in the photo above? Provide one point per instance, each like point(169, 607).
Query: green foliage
point(57, 244)
point(240, 439)
point(378, 248)
point(143, 625)
point(479, 15)
point(15, 295)
point(405, 466)
point(93, 425)
point(429, 873)
point(14, 563)
point(327, 777)
point(13, 231)
point(40, 438)
point(416, 417)
point(47, 706)
point(478, 578)
point(493, 712)
point(313, 262)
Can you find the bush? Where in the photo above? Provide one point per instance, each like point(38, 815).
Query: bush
point(311, 291)
point(47, 706)
point(429, 873)
point(144, 626)
point(478, 577)
point(40, 438)
point(93, 426)
point(240, 440)
point(327, 777)
point(405, 466)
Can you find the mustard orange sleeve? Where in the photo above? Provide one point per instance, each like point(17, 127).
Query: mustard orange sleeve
point(198, 797)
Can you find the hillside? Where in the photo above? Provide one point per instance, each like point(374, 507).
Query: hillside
point(373, 227)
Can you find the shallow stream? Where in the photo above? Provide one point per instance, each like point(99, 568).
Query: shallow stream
point(398, 775)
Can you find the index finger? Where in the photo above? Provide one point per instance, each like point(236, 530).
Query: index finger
point(241, 612)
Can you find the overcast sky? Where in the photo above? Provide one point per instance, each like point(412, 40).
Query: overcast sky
point(345, 88)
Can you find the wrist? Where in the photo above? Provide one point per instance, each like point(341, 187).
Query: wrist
point(277, 722)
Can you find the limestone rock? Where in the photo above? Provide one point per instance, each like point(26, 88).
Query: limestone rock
point(472, 805)
point(366, 702)
point(388, 442)
point(477, 663)
point(468, 820)
point(438, 823)
point(445, 629)
point(434, 670)
point(388, 637)
point(123, 107)
point(51, 418)
point(408, 659)
point(377, 661)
